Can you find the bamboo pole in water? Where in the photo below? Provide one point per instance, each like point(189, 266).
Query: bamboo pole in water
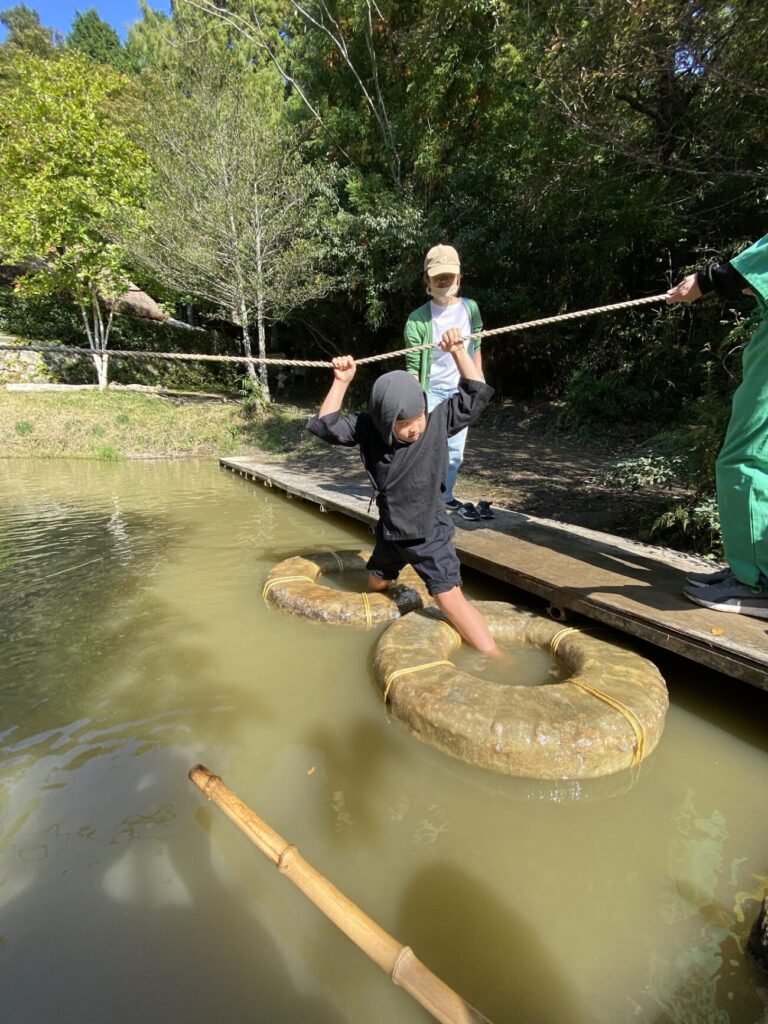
point(398, 961)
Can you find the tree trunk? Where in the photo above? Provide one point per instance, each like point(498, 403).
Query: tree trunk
point(263, 354)
point(260, 304)
point(246, 339)
point(98, 337)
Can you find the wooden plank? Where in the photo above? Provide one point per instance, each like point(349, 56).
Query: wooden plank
point(627, 585)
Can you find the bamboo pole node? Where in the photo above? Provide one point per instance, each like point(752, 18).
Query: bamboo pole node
point(282, 859)
point(405, 954)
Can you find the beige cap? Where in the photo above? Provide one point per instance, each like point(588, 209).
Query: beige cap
point(442, 259)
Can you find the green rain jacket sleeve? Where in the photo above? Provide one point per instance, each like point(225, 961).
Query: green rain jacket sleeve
point(415, 333)
point(752, 264)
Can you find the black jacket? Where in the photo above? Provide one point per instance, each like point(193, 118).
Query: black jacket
point(407, 478)
point(722, 278)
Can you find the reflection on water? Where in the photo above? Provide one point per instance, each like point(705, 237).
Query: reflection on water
point(134, 643)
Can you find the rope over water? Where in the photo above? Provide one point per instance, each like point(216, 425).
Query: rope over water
point(326, 364)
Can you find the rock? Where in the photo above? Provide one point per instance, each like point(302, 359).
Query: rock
point(135, 302)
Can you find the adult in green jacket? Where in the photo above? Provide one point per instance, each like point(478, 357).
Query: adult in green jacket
point(438, 376)
point(742, 465)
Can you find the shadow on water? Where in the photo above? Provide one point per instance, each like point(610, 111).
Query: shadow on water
point(489, 954)
point(734, 706)
point(171, 931)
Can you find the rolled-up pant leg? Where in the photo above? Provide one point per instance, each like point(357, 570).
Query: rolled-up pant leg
point(742, 470)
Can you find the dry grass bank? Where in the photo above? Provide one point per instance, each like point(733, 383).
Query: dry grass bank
point(123, 425)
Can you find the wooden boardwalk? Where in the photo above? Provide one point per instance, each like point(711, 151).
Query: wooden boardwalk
point(629, 586)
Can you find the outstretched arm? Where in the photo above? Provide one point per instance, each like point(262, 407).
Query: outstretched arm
point(329, 425)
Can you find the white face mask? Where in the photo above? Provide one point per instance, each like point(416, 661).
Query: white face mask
point(442, 295)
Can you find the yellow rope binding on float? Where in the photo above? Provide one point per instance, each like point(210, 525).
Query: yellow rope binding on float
point(367, 606)
point(338, 560)
point(415, 668)
point(637, 726)
point(617, 705)
point(281, 579)
point(555, 641)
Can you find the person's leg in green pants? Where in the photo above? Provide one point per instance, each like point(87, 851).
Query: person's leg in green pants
point(742, 470)
point(742, 493)
point(742, 465)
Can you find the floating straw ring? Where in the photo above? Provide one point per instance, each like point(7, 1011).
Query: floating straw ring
point(607, 715)
point(294, 586)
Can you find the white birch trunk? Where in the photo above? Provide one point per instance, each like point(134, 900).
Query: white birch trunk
point(246, 338)
point(262, 352)
point(260, 308)
point(97, 333)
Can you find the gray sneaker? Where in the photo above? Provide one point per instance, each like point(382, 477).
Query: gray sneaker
point(706, 579)
point(730, 596)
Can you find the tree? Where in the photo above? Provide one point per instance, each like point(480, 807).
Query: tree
point(97, 39)
point(25, 32)
point(234, 216)
point(65, 169)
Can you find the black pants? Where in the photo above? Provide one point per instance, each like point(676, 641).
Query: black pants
point(434, 557)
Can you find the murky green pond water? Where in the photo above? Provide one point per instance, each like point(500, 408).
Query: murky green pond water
point(134, 643)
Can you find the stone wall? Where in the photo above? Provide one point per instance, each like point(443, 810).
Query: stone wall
point(31, 367)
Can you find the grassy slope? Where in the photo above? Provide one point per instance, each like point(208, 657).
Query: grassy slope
point(115, 425)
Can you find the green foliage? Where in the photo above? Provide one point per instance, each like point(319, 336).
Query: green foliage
point(121, 424)
point(280, 429)
point(607, 401)
point(66, 169)
point(25, 32)
point(98, 40)
point(254, 401)
point(106, 453)
point(631, 474)
point(693, 526)
point(23, 427)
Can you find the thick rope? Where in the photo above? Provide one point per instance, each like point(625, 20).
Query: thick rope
point(282, 579)
point(558, 637)
point(368, 614)
point(637, 726)
point(525, 326)
point(320, 363)
point(411, 668)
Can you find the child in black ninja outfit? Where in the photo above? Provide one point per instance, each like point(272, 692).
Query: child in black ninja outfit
point(405, 453)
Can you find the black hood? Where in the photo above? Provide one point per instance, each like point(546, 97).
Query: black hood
point(395, 396)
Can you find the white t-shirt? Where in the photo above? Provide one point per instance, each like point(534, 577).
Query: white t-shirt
point(444, 373)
